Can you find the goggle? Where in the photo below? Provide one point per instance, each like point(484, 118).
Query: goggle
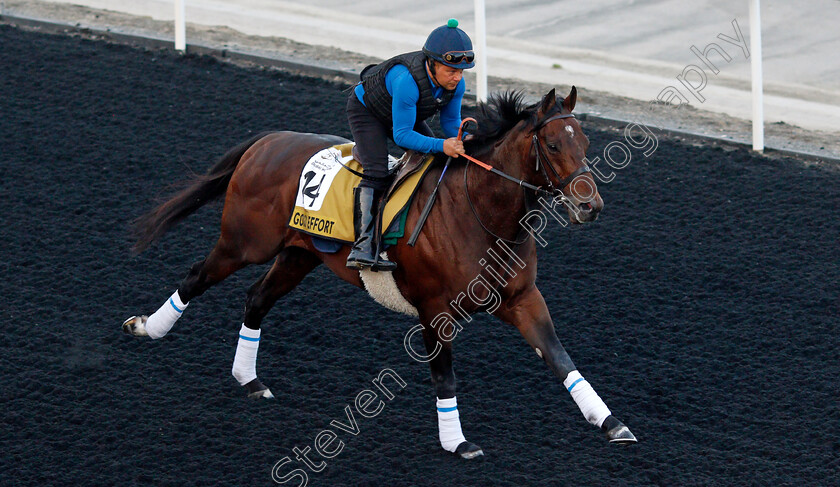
point(456, 57)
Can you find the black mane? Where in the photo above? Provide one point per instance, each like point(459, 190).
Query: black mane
point(500, 113)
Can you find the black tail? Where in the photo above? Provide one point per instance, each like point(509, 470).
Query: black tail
point(198, 191)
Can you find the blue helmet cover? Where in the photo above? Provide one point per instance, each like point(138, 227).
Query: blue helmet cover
point(447, 38)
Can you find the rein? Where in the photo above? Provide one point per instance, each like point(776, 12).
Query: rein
point(552, 191)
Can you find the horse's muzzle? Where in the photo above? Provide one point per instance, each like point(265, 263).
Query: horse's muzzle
point(586, 211)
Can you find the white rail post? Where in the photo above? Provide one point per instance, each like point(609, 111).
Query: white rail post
point(757, 88)
point(480, 49)
point(180, 27)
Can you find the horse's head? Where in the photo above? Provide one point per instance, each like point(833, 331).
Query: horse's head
point(559, 146)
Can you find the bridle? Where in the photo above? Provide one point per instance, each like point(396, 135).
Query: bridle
point(563, 182)
point(552, 191)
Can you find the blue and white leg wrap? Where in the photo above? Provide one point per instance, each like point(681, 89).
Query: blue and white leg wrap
point(449, 424)
point(590, 404)
point(245, 360)
point(162, 320)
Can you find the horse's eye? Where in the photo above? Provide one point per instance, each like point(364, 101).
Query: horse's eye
point(552, 146)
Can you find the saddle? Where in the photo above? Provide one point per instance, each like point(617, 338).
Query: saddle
point(405, 166)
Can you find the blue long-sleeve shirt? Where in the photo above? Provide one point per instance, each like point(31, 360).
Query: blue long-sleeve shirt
point(405, 93)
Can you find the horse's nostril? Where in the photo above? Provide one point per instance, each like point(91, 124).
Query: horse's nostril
point(585, 207)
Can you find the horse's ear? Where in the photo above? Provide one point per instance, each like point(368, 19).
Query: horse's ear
point(569, 102)
point(548, 101)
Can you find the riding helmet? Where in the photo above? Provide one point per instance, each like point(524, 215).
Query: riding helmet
point(450, 39)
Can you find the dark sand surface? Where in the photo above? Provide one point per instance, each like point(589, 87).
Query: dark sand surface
point(702, 306)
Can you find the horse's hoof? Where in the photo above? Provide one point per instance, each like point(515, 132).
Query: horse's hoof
point(468, 450)
point(263, 394)
point(136, 325)
point(617, 432)
point(258, 390)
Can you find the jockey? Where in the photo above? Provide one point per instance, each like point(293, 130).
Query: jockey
point(393, 100)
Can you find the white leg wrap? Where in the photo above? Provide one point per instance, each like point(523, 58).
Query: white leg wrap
point(449, 424)
point(590, 404)
point(162, 320)
point(245, 360)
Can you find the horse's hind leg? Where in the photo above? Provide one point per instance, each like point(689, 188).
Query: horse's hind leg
point(529, 313)
point(291, 266)
point(438, 345)
point(218, 265)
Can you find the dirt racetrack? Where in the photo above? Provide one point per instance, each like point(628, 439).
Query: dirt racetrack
point(702, 306)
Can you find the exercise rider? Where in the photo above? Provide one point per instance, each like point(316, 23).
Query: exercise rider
point(393, 100)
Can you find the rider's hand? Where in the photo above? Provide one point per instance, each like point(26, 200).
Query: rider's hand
point(452, 147)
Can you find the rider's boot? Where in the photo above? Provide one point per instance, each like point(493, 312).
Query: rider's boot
point(366, 248)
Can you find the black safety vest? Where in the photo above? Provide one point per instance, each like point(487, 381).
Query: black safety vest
point(378, 100)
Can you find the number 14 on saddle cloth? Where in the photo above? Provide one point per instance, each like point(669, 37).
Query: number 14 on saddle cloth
point(324, 198)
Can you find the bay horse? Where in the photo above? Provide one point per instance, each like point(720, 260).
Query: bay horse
point(537, 152)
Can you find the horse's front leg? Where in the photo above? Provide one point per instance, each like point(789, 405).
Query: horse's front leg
point(439, 349)
point(529, 313)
